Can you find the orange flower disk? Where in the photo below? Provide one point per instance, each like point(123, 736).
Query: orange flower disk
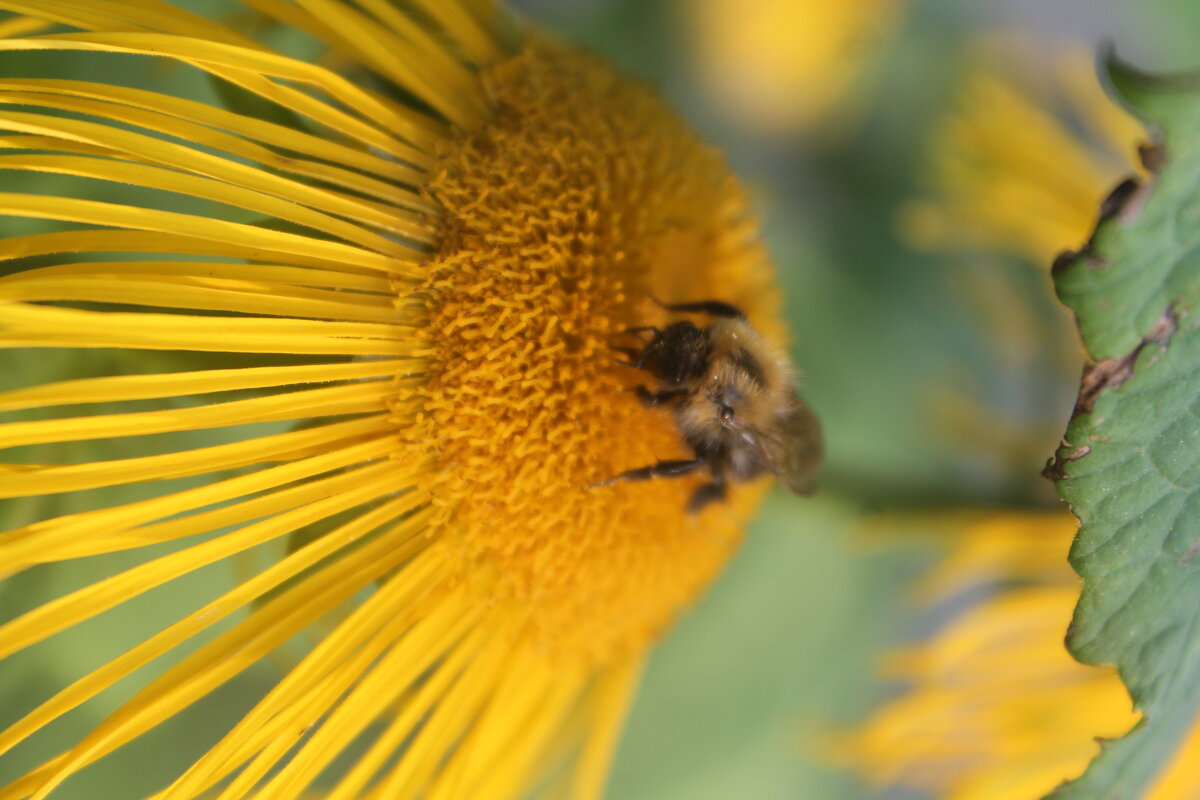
point(584, 198)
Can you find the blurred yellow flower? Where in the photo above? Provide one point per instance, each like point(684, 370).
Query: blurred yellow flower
point(785, 65)
point(1022, 163)
point(993, 707)
point(413, 282)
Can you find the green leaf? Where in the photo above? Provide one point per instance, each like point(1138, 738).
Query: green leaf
point(1130, 461)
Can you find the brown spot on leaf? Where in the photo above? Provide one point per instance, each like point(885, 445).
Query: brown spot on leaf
point(1068, 258)
point(1109, 373)
point(1123, 203)
point(1153, 155)
point(1062, 261)
point(1119, 199)
point(1093, 260)
point(1055, 466)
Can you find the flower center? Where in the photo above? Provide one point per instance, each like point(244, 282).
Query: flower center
point(581, 200)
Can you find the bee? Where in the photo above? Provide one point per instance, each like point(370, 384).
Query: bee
point(734, 401)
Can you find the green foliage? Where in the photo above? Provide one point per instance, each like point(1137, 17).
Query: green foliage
point(1130, 462)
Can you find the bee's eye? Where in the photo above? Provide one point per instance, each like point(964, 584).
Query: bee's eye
point(725, 412)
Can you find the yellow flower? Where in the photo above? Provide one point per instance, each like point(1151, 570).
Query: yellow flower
point(414, 288)
point(785, 65)
point(1022, 163)
point(994, 708)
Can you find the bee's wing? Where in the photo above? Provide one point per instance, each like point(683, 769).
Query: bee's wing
point(792, 447)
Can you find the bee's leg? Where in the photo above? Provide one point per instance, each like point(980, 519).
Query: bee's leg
point(634, 357)
point(637, 355)
point(663, 469)
point(714, 308)
point(708, 493)
point(651, 399)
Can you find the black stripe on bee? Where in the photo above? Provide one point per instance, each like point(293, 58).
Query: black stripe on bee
point(748, 364)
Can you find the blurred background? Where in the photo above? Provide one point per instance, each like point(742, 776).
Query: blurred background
point(917, 164)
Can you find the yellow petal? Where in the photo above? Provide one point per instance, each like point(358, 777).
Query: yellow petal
point(176, 384)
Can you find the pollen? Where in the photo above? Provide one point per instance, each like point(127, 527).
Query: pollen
point(582, 201)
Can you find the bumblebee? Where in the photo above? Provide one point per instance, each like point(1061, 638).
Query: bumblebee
point(734, 401)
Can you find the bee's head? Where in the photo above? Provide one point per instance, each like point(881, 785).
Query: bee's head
point(738, 390)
